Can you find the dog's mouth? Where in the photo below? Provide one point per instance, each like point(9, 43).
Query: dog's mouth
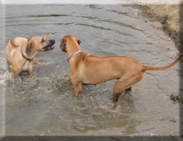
point(47, 48)
point(50, 46)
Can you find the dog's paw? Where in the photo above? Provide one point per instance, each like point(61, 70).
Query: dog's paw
point(34, 61)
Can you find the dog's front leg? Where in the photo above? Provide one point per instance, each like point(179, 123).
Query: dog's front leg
point(77, 88)
point(34, 61)
point(31, 69)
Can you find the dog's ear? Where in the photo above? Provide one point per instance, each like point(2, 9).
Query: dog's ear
point(46, 35)
point(28, 48)
point(79, 41)
point(63, 45)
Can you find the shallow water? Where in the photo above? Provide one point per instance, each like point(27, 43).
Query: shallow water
point(44, 104)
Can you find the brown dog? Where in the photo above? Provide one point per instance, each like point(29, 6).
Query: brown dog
point(20, 52)
point(90, 69)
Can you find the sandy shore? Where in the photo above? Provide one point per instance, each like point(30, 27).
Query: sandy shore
point(168, 15)
point(171, 17)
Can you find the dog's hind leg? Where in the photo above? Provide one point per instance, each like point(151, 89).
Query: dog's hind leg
point(123, 84)
point(128, 89)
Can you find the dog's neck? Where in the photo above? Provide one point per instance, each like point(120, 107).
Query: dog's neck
point(81, 55)
point(71, 56)
point(25, 55)
point(71, 50)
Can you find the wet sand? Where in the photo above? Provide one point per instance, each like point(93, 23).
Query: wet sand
point(168, 15)
point(172, 20)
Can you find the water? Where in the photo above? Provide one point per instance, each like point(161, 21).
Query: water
point(44, 104)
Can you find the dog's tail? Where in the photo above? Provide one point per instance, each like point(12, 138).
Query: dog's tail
point(161, 68)
point(13, 43)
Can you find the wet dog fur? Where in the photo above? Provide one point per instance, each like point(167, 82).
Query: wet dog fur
point(20, 52)
point(90, 69)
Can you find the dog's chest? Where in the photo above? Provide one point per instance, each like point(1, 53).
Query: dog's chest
point(26, 66)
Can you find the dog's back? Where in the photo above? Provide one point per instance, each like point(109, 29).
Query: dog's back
point(13, 45)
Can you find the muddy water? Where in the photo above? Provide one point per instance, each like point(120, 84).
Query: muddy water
point(44, 104)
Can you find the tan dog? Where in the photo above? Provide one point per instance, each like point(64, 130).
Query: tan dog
point(90, 69)
point(20, 52)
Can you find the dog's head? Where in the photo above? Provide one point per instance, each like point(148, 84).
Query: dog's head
point(68, 39)
point(39, 44)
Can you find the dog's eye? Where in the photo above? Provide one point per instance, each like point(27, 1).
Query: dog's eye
point(42, 41)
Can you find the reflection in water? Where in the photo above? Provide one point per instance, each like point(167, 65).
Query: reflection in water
point(43, 104)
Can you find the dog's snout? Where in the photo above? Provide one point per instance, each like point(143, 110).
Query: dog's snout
point(52, 41)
